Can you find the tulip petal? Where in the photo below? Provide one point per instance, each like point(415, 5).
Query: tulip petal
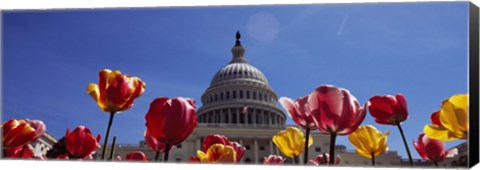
point(440, 133)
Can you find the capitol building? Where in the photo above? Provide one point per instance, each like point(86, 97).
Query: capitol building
point(236, 86)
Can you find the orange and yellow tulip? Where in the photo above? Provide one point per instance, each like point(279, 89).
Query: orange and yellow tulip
point(17, 133)
point(451, 122)
point(115, 91)
point(291, 141)
point(368, 141)
point(218, 153)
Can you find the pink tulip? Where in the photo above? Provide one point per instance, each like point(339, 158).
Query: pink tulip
point(297, 111)
point(273, 159)
point(335, 111)
point(39, 127)
point(239, 149)
point(432, 149)
point(324, 159)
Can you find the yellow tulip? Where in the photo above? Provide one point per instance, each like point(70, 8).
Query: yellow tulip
point(115, 91)
point(452, 120)
point(291, 141)
point(218, 153)
point(369, 141)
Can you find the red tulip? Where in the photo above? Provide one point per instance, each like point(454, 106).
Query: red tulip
point(27, 153)
point(17, 133)
point(239, 149)
point(389, 110)
point(136, 156)
point(297, 111)
point(194, 159)
point(432, 149)
point(39, 127)
point(273, 159)
point(214, 139)
point(171, 121)
point(80, 143)
point(324, 159)
point(154, 144)
point(335, 110)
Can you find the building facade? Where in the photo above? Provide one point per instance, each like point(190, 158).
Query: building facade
point(240, 104)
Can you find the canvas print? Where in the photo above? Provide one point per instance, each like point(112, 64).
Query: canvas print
point(367, 84)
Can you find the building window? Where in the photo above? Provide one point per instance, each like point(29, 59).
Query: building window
point(247, 160)
point(254, 95)
point(234, 94)
point(260, 96)
point(265, 97)
point(248, 94)
point(262, 148)
point(228, 95)
point(179, 146)
point(216, 97)
point(247, 147)
point(318, 149)
point(221, 96)
point(241, 94)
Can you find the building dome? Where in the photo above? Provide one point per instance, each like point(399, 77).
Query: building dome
point(239, 94)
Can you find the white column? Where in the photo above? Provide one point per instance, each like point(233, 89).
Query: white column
point(271, 147)
point(241, 143)
point(222, 117)
point(197, 145)
point(255, 150)
point(254, 118)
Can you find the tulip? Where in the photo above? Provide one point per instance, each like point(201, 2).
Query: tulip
point(218, 153)
point(22, 152)
point(239, 150)
point(291, 142)
point(324, 159)
point(80, 143)
point(273, 159)
point(391, 110)
point(432, 149)
point(451, 122)
point(136, 156)
point(39, 127)
point(336, 112)
point(214, 139)
point(115, 93)
point(17, 133)
point(155, 145)
point(194, 159)
point(369, 142)
point(171, 121)
point(297, 111)
point(220, 139)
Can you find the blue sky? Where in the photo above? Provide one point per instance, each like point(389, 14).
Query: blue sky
point(49, 57)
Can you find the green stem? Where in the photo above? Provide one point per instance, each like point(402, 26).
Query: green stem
point(405, 143)
point(108, 134)
point(333, 137)
point(157, 155)
point(305, 154)
point(21, 152)
point(165, 157)
point(373, 159)
point(112, 150)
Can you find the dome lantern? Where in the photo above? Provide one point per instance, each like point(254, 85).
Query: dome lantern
point(238, 51)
